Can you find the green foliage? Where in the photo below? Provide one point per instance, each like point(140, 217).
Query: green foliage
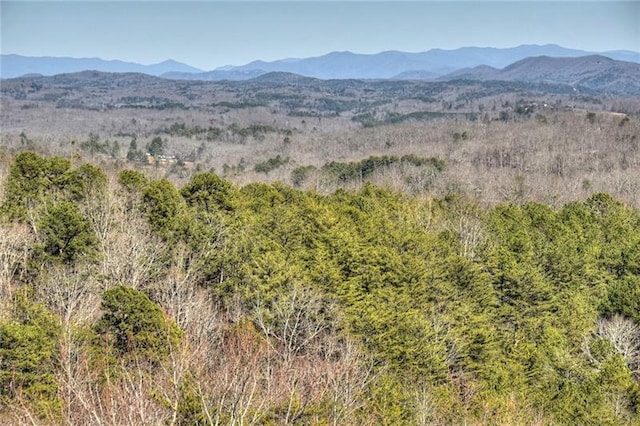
point(133, 180)
point(389, 402)
point(365, 168)
point(438, 164)
point(484, 315)
point(132, 327)
point(208, 192)
point(164, 207)
point(30, 177)
point(28, 355)
point(257, 131)
point(191, 411)
point(134, 154)
point(457, 136)
point(156, 147)
point(83, 182)
point(623, 298)
point(271, 164)
point(66, 234)
point(34, 180)
point(181, 129)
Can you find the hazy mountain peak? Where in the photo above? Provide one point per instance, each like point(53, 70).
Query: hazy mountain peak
point(13, 65)
point(429, 64)
point(596, 72)
point(434, 62)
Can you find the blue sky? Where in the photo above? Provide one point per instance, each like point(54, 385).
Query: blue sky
point(209, 34)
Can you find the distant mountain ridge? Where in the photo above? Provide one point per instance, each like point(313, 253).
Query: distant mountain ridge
point(431, 64)
point(17, 65)
point(395, 64)
point(594, 72)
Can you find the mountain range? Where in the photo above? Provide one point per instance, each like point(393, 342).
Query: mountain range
point(393, 64)
point(595, 72)
point(16, 65)
point(592, 73)
point(431, 64)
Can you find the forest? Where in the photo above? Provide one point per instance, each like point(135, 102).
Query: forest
point(499, 141)
point(128, 298)
point(295, 251)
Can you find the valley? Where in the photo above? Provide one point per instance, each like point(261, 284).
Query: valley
point(548, 142)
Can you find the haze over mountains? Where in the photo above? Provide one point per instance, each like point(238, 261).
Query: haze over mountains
point(435, 62)
point(616, 72)
point(17, 65)
point(595, 72)
point(336, 65)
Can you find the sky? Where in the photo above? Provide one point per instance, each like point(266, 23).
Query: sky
point(209, 34)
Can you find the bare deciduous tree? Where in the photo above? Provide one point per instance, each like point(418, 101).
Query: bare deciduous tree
point(295, 318)
point(624, 335)
point(132, 254)
point(15, 245)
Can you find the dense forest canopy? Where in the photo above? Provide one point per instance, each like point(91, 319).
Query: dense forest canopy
point(130, 299)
